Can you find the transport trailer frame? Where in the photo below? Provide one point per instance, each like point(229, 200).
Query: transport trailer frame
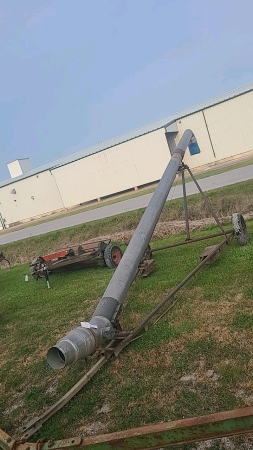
point(211, 426)
point(89, 254)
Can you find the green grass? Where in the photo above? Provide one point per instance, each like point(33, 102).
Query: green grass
point(207, 336)
point(243, 321)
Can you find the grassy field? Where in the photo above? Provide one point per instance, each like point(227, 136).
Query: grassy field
point(197, 359)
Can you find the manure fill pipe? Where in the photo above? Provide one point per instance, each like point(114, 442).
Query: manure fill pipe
point(84, 340)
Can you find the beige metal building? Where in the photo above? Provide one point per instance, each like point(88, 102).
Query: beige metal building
point(222, 126)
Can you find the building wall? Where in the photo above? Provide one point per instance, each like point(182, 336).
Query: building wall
point(119, 168)
point(222, 131)
point(196, 123)
point(229, 126)
point(21, 205)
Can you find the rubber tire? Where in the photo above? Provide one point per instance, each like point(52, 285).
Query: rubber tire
point(108, 255)
point(240, 229)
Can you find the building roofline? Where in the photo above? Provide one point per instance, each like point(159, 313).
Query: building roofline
point(128, 136)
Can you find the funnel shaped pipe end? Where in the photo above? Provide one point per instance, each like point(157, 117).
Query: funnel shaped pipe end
point(56, 358)
point(78, 344)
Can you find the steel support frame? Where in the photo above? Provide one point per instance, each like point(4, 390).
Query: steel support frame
point(188, 239)
point(229, 234)
point(149, 316)
point(211, 426)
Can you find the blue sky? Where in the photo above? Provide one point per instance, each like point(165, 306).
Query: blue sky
point(75, 72)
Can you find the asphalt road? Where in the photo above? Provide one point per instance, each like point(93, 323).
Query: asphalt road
point(206, 184)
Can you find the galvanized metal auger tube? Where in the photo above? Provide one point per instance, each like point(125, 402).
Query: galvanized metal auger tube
point(82, 342)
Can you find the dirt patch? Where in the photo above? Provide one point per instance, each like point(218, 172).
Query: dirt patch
point(94, 428)
point(16, 405)
point(163, 229)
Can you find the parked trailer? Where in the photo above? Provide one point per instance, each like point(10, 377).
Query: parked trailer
point(88, 254)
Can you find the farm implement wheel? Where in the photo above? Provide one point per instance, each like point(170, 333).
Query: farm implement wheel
point(240, 229)
point(112, 256)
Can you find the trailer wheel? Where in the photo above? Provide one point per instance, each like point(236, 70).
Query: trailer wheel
point(112, 255)
point(240, 229)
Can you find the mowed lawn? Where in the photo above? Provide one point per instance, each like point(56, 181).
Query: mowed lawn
point(197, 359)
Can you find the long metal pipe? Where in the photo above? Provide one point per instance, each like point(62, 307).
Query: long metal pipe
point(82, 342)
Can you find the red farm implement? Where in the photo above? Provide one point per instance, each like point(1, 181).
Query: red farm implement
point(88, 254)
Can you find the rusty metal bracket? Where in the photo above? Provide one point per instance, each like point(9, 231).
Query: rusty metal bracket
point(215, 249)
point(211, 426)
point(146, 267)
